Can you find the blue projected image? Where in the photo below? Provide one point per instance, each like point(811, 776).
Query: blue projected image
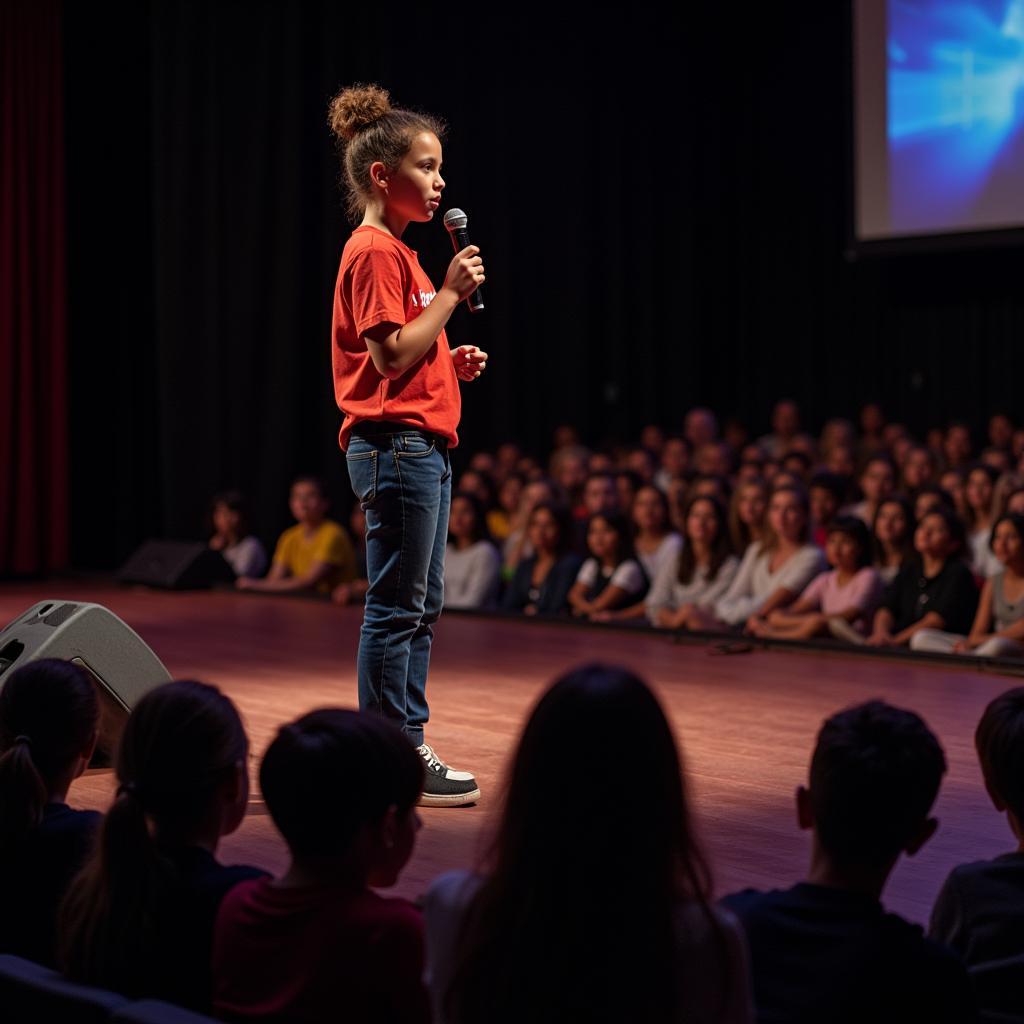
point(955, 114)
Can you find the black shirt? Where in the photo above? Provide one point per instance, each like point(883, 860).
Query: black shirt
point(552, 596)
point(830, 956)
point(951, 592)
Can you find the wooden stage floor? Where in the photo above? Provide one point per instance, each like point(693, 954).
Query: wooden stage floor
point(746, 723)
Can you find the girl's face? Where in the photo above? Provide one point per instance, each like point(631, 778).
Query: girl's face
point(648, 509)
point(1016, 503)
point(602, 540)
point(306, 502)
point(891, 524)
point(924, 504)
point(953, 484)
point(978, 491)
point(461, 519)
point(876, 481)
point(702, 523)
point(225, 520)
point(932, 537)
point(543, 531)
point(842, 551)
point(535, 493)
point(750, 506)
point(1007, 545)
point(413, 189)
point(824, 505)
point(786, 515)
point(917, 469)
point(510, 493)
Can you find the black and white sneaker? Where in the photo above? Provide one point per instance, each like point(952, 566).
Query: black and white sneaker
point(444, 786)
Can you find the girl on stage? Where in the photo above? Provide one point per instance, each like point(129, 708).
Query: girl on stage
point(396, 381)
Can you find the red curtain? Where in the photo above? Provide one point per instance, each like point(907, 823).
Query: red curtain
point(33, 364)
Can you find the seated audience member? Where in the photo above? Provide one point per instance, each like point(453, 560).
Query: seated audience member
point(685, 589)
point(314, 555)
point(610, 887)
point(542, 582)
point(472, 566)
point(952, 482)
point(713, 459)
point(825, 494)
point(627, 484)
point(998, 630)
point(746, 515)
point(798, 463)
point(652, 439)
point(836, 431)
point(997, 459)
point(877, 482)
point(231, 536)
point(611, 580)
point(840, 601)
point(675, 461)
point(1015, 502)
point(842, 461)
point(517, 544)
point(775, 570)
point(655, 541)
point(785, 429)
point(354, 591)
point(712, 486)
point(700, 427)
point(826, 950)
point(892, 537)
point(49, 716)
point(507, 459)
point(979, 490)
point(933, 590)
point(318, 944)
point(872, 428)
point(978, 911)
point(499, 519)
point(918, 469)
point(139, 918)
point(600, 497)
point(928, 497)
point(1000, 431)
point(956, 446)
point(480, 485)
point(641, 461)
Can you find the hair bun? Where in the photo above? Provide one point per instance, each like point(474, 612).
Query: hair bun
point(356, 107)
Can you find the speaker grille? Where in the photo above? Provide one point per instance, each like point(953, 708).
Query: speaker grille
point(60, 615)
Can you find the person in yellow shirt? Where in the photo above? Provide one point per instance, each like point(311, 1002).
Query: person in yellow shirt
point(314, 555)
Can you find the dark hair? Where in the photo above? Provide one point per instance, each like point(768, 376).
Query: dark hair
point(993, 475)
point(945, 498)
point(739, 532)
point(593, 881)
point(662, 501)
point(907, 546)
point(772, 540)
point(331, 751)
point(563, 520)
point(235, 502)
point(368, 129)
point(999, 740)
point(721, 549)
point(480, 531)
point(620, 525)
point(1017, 521)
point(954, 526)
point(856, 529)
point(182, 742)
point(49, 714)
point(874, 776)
point(828, 481)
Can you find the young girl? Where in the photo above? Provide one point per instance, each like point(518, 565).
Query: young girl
point(686, 589)
point(775, 570)
point(397, 383)
point(933, 590)
point(318, 944)
point(517, 546)
point(49, 716)
point(746, 515)
point(139, 918)
point(892, 537)
point(596, 908)
point(472, 567)
point(542, 582)
point(611, 578)
point(656, 543)
point(231, 536)
point(979, 488)
point(838, 602)
point(998, 630)
point(876, 484)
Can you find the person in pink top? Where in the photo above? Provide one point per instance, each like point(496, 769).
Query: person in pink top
point(838, 601)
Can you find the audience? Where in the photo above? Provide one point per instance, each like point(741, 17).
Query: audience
point(231, 535)
point(49, 717)
point(318, 944)
point(655, 541)
point(611, 582)
point(977, 913)
point(542, 582)
point(979, 491)
point(746, 514)
point(825, 949)
point(892, 537)
point(314, 555)
point(139, 918)
point(472, 566)
point(877, 482)
point(593, 908)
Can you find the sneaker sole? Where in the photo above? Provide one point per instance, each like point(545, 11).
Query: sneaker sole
point(448, 799)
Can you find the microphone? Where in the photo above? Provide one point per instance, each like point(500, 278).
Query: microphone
point(455, 221)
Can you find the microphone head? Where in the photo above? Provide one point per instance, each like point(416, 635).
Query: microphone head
point(455, 219)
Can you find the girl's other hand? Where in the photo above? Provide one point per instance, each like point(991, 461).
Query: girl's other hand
point(469, 361)
point(465, 272)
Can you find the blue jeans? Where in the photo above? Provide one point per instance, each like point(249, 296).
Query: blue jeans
point(403, 482)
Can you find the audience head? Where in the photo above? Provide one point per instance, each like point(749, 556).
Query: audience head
point(650, 511)
point(893, 528)
point(675, 456)
point(785, 418)
point(798, 463)
point(1007, 540)
point(979, 488)
point(1015, 502)
point(718, 486)
point(999, 740)
point(1000, 431)
point(918, 468)
point(49, 717)
point(479, 484)
point(848, 545)
point(510, 492)
point(600, 494)
point(467, 521)
point(565, 436)
point(874, 777)
point(549, 529)
point(940, 534)
point(641, 462)
point(997, 458)
point(707, 530)
point(308, 501)
point(569, 470)
point(228, 516)
point(788, 516)
point(836, 431)
point(872, 420)
point(609, 538)
point(841, 461)
point(878, 480)
point(652, 438)
point(312, 760)
point(928, 497)
point(627, 483)
point(956, 445)
point(746, 513)
point(825, 494)
point(952, 482)
point(700, 427)
point(713, 459)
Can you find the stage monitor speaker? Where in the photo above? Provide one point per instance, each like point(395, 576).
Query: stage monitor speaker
point(176, 565)
point(120, 662)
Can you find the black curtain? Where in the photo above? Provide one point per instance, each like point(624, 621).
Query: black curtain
point(661, 202)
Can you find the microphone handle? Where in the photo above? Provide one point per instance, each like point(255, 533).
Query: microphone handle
point(460, 239)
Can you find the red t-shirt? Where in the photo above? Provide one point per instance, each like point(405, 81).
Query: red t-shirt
point(322, 953)
point(381, 281)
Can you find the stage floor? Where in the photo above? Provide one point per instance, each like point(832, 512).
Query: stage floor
point(746, 723)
